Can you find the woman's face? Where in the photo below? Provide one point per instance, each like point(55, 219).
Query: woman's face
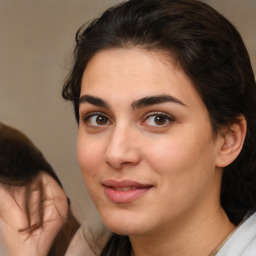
point(145, 144)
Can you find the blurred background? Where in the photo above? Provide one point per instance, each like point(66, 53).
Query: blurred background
point(36, 43)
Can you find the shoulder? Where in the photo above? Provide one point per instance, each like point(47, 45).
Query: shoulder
point(243, 241)
point(89, 240)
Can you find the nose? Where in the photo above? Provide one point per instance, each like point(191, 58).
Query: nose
point(122, 149)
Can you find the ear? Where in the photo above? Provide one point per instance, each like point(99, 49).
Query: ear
point(231, 142)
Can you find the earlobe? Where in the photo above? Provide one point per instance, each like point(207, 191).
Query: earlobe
point(232, 142)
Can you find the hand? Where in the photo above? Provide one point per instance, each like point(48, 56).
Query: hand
point(32, 215)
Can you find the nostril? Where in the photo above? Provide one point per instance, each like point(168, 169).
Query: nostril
point(121, 150)
point(122, 159)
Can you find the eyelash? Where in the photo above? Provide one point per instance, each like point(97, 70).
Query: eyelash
point(87, 118)
point(166, 118)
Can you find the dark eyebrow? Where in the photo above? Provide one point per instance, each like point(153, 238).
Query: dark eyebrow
point(152, 100)
point(143, 102)
point(93, 100)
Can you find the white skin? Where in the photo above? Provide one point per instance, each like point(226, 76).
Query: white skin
point(42, 193)
point(167, 145)
point(144, 122)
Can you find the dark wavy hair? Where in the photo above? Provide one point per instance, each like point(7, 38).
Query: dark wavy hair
point(212, 54)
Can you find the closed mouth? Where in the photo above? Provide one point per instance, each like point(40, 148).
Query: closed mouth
point(124, 191)
point(125, 185)
point(125, 188)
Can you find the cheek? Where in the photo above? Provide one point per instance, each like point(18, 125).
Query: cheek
point(182, 157)
point(184, 168)
point(168, 152)
point(89, 155)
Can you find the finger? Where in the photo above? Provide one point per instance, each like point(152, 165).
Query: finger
point(33, 205)
point(55, 200)
point(12, 206)
point(55, 211)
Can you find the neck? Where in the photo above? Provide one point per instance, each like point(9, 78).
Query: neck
point(199, 237)
point(198, 231)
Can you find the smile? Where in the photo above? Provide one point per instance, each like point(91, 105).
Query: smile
point(124, 191)
point(125, 188)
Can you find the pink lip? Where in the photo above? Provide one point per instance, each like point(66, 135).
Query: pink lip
point(124, 191)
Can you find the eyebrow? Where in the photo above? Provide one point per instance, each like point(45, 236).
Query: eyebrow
point(158, 99)
point(93, 100)
point(143, 102)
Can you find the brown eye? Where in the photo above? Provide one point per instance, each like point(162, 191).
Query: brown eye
point(97, 120)
point(158, 119)
point(101, 120)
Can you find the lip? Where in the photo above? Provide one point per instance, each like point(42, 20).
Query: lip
point(125, 191)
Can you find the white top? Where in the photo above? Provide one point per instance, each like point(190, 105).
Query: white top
point(243, 241)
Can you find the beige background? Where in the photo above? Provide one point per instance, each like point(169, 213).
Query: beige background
point(36, 41)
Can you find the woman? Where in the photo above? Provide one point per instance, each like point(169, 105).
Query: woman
point(164, 96)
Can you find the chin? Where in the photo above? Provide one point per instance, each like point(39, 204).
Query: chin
point(124, 225)
point(124, 230)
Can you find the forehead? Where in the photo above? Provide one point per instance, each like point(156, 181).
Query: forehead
point(137, 73)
